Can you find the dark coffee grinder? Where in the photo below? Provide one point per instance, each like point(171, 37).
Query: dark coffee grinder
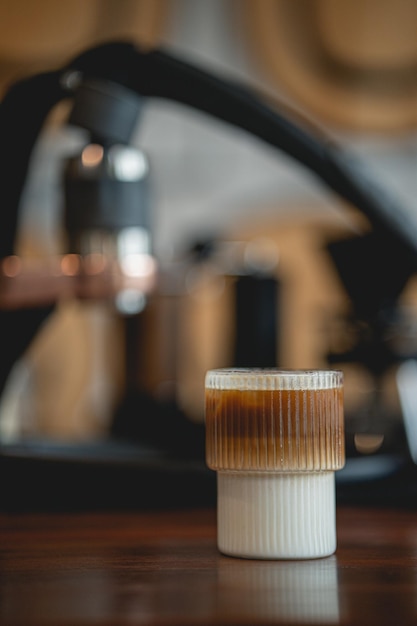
point(108, 86)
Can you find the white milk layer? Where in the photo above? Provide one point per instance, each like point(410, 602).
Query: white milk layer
point(264, 515)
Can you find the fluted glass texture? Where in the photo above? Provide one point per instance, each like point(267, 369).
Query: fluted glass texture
point(274, 420)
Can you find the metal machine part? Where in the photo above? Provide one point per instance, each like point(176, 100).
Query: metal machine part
point(107, 216)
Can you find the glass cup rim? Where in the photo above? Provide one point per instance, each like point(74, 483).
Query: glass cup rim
point(242, 378)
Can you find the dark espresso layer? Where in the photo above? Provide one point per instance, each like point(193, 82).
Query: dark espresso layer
point(299, 430)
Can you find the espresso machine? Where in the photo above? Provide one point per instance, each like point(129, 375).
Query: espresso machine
point(109, 255)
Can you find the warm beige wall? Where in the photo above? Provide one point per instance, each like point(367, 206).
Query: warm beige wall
point(42, 34)
point(350, 62)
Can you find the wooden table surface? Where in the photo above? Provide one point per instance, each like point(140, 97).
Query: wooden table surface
point(163, 568)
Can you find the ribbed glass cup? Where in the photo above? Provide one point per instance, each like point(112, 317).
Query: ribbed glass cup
point(275, 437)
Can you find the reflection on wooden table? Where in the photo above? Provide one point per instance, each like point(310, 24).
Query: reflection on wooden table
point(163, 567)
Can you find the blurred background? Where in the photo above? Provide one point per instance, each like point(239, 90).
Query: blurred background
point(239, 234)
